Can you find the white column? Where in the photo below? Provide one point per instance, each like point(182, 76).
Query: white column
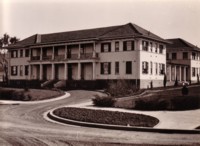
point(79, 71)
point(180, 73)
point(174, 72)
point(79, 51)
point(184, 73)
point(65, 71)
point(170, 72)
point(94, 51)
point(53, 71)
point(41, 53)
point(66, 52)
point(53, 53)
point(94, 70)
point(41, 72)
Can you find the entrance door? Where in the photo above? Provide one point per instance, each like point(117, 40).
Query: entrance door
point(69, 72)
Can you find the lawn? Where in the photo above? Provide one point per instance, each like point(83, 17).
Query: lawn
point(30, 95)
point(106, 117)
point(163, 100)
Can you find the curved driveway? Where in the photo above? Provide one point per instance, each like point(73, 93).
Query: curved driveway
point(24, 125)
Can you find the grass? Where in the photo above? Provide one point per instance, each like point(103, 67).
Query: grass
point(163, 100)
point(30, 95)
point(106, 117)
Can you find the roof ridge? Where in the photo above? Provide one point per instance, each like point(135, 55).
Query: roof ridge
point(132, 25)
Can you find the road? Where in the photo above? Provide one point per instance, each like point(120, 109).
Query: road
point(24, 125)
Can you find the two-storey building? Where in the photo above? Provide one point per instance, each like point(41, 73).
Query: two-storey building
point(183, 61)
point(118, 52)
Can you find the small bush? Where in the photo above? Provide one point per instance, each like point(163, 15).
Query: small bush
point(103, 101)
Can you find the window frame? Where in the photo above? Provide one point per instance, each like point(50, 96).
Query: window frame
point(117, 67)
point(105, 65)
point(145, 67)
point(131, 45)
point(14, 70)
point(108, 44)
point(128, 67)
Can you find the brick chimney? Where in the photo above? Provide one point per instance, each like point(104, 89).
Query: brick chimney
point(38, 38)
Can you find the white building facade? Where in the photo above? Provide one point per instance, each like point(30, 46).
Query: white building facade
point(126, 52)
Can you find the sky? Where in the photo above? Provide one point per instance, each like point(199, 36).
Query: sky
point(166, 18)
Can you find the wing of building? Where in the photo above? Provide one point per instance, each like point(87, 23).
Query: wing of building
point(126, 52)
point(182, 61)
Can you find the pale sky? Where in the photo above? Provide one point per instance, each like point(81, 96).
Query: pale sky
point(166, 18)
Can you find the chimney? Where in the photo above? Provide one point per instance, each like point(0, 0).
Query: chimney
point(38, 38)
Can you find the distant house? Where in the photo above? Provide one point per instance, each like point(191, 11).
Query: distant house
point(118, 52)
point(183, 60)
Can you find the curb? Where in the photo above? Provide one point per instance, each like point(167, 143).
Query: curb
point(117, 127)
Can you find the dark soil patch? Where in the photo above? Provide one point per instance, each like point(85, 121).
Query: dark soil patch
point(106, 117)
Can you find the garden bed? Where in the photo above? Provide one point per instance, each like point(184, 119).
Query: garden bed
point(106, 117)
point(28, 95)
point(163, 100)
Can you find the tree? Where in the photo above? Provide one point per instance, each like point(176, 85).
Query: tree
point(5, 39)
point(14, 40)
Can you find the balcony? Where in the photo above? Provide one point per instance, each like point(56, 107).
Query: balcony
point(47, 58)
point(59, 57)
point(72, 56)
point(35, 58)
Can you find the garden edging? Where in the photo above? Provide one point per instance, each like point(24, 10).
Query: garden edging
point(52, 116)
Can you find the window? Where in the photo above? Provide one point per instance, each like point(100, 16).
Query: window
point(145, 45)
point(167, 56)
point(185, 55)
point(116, 67)
point(156, 48)
point(14, 54)
point(151, 68)
point(117, 46)
point(26, 70)
point(21, 53)
point(161, 48)
point(106, 68)
point(128, 45)
point(14, 70)
point(145, 67)
point(173, 56)
point(193, 55)
point(27, 53)
point(21, 70)
point(193, 72)
point(156, 67)
point(151, 46)
point(106, 47)
point(161, 69)
point(128, 67)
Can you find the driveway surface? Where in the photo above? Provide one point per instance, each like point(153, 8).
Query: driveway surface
point(24, 124)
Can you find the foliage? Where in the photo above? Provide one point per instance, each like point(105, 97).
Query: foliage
point(106, 117)
point(185, 90)
point(120, 88)
point(103, 101)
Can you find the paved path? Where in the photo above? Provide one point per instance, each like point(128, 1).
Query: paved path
point(23, 124)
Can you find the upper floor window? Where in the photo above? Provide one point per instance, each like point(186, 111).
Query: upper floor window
point(161, 48)
point(145, 45)
point(116, 67)
point(117, 46)
point(128, 45)
point(185, 55)
point(156, 48)
point(14, 70)
point(106, 68)
point(145, 67)
point(128, 67)
point(27, 53)
point(21, 53)
point(193, 55)
point(106, 47)
point(151, 46)
point(161, 69)
point(173, 56)
point(14, 54)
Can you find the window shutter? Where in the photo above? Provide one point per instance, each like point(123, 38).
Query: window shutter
point(109, 68)
point(124, 46)
point(133, 45)
point(102, 68)
point(102, 47)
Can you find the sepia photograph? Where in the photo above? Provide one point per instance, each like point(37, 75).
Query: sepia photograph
point(99, 72)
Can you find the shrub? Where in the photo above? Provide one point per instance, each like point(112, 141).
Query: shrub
point(103, 101)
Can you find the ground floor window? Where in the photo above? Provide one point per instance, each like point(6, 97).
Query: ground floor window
point(145, 67)
point(161, 68)
point(14, 70)
point(116, 68)
point(128, 67)
point(21, 70)
point(106, 68)
point(26, 70)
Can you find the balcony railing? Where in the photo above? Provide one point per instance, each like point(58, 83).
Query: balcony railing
point(59, 57)
point(34, 58)
point(72, 56)
point(44, 58)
